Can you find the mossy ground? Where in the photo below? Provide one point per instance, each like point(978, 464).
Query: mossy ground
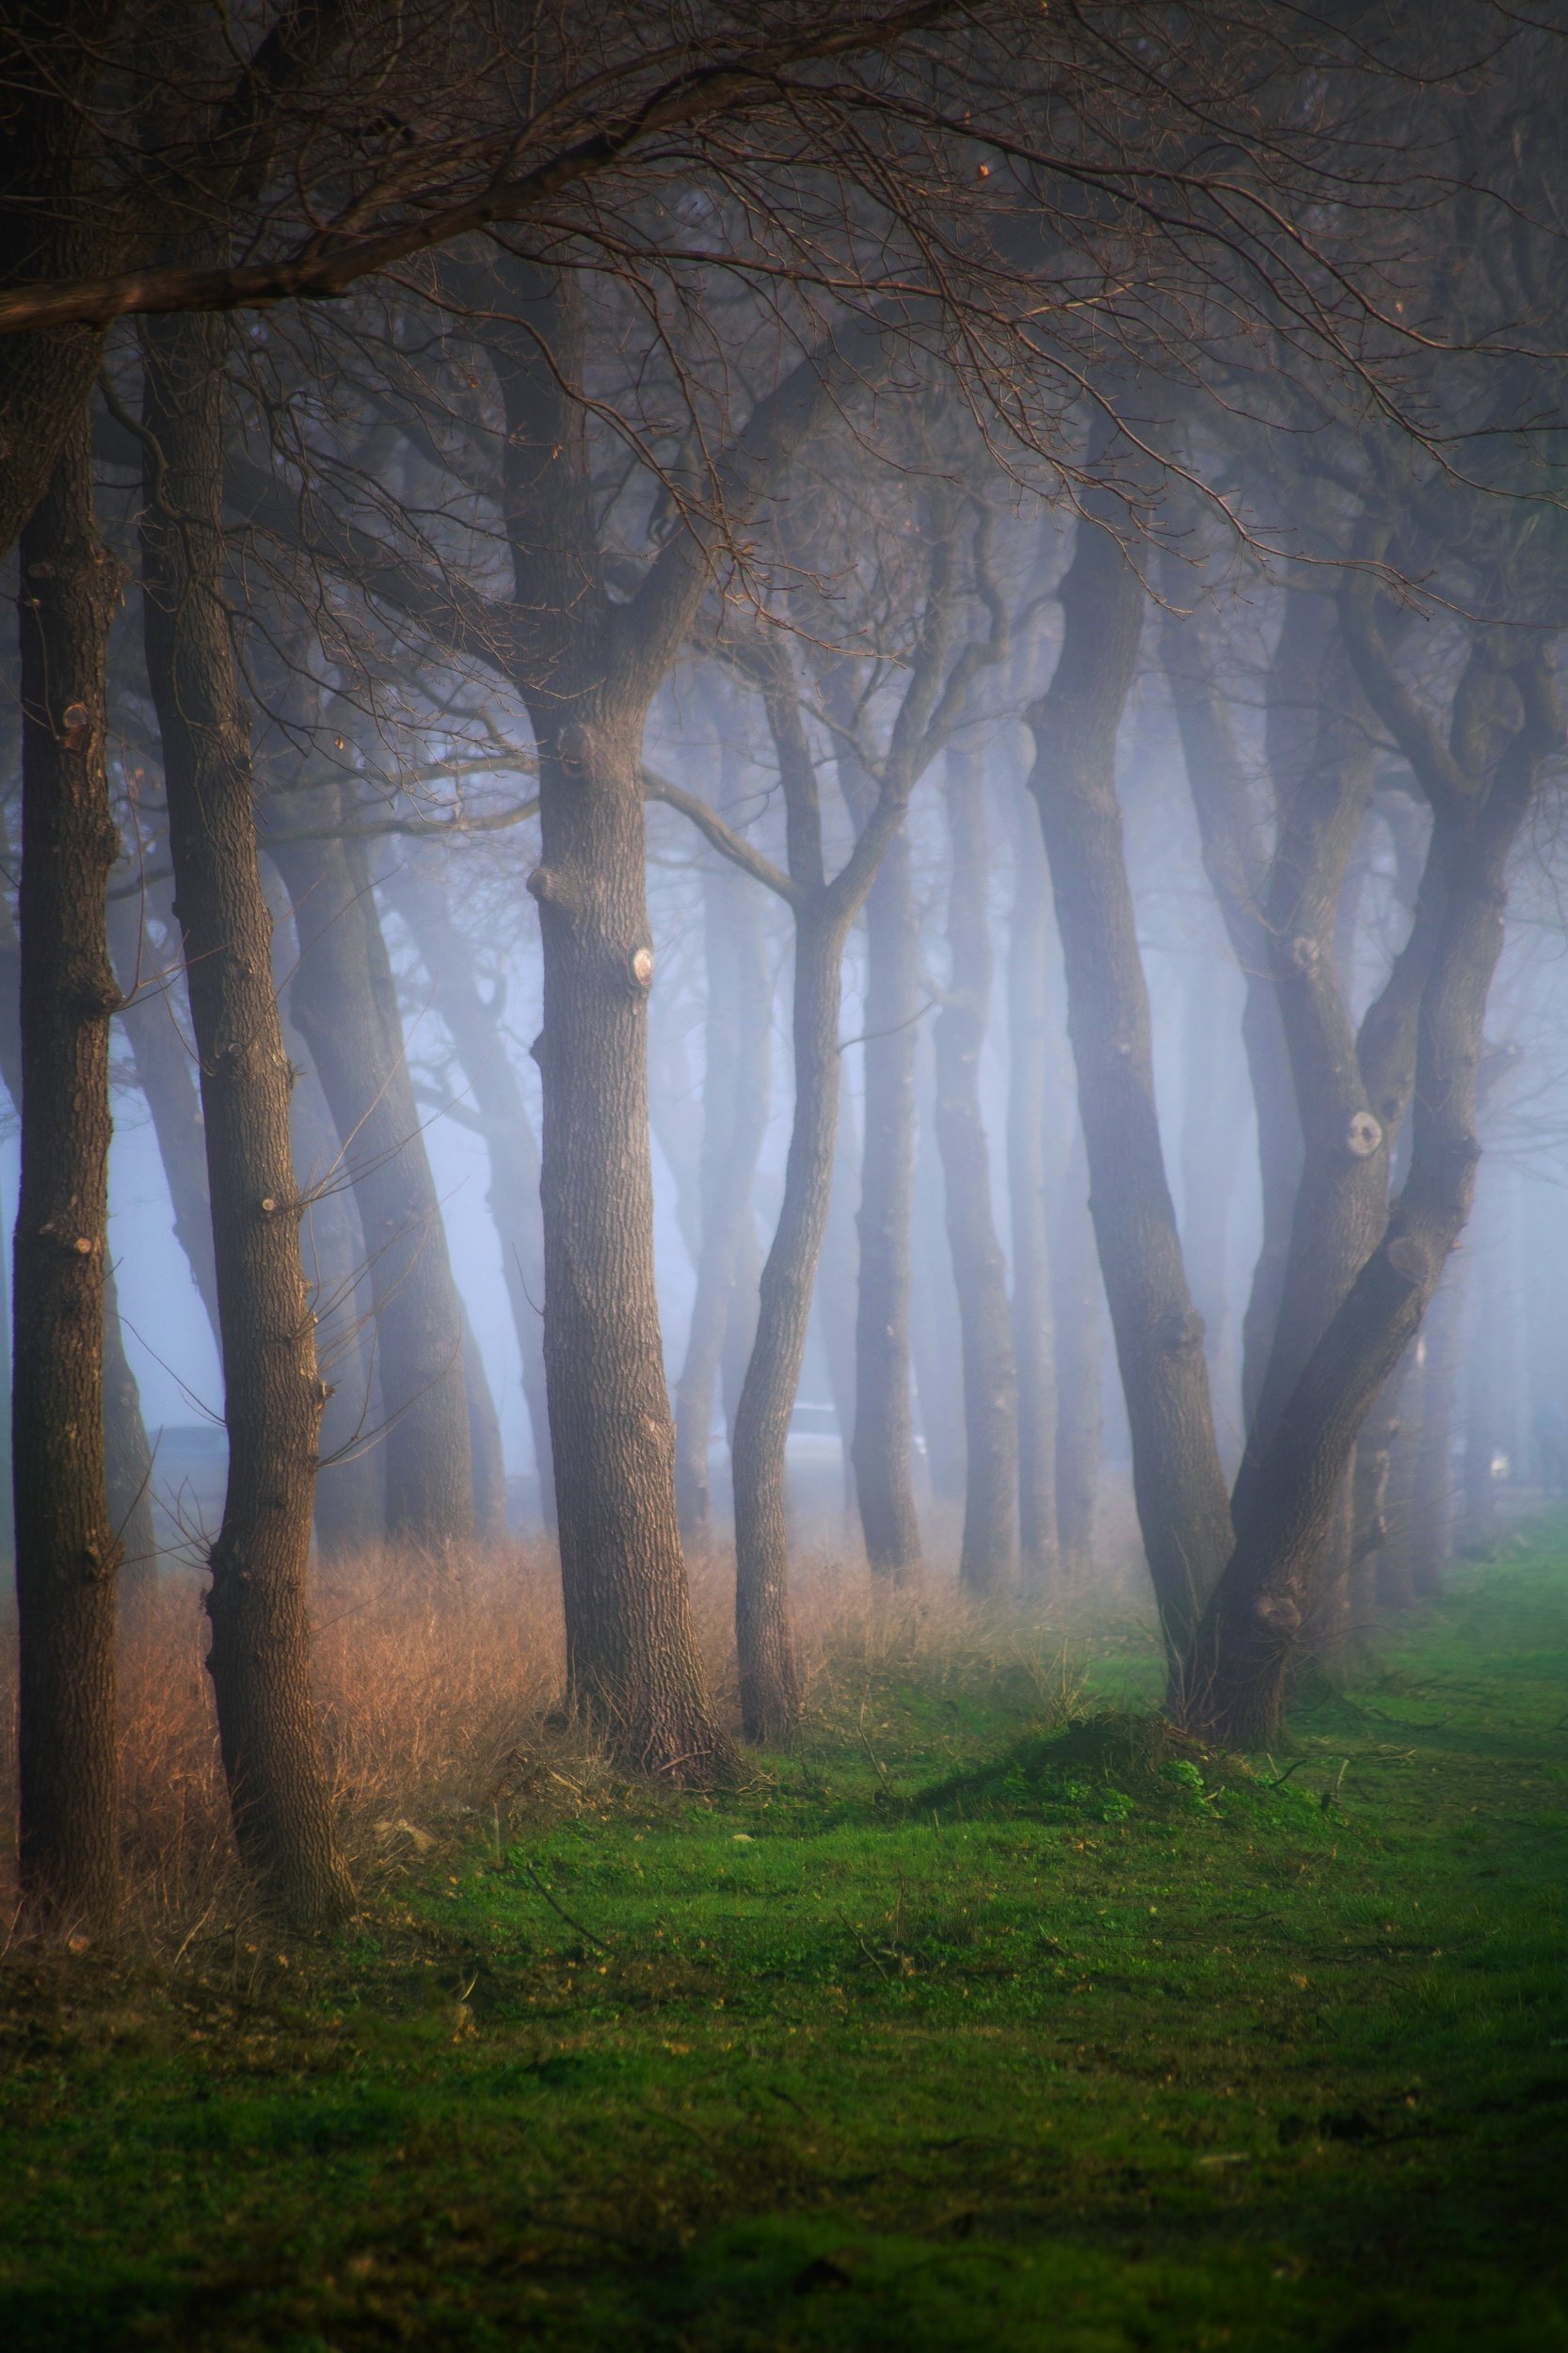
point(953, 2030)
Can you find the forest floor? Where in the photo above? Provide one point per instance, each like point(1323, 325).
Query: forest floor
point(992, 2017)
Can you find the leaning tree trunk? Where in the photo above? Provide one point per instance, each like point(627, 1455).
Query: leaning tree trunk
point(884, 1434)
point(1028, 1112)
point(632, 1657)
point(166, 1075)
point(770, 1687)
point(337, 999)
point(1183, 1508)
point(273, 1395)
point(66, 1551)
point(735, 1088)
point(1241, 1656)
point(980, 1270)
point(416, 889)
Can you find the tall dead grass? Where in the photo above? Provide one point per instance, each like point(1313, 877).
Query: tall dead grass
point(438, 1687)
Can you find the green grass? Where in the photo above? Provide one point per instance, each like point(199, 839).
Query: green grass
point(955, 2030)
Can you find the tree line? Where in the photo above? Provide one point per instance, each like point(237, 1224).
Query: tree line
point(477, 414)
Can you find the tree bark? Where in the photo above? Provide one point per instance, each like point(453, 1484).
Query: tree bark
point(1432, 1515)
point(884, 1427)
point(66, 1554)
point(1028, 1191)
point(1237, 1673)
point(735, 1089)
point(416, 889)
point(273, 1396)
point(631, 1653)
point(1183, 1508)
point(343, 1003)
point(987, 1559)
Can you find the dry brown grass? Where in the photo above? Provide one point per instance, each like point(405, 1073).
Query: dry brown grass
point(440, 1690)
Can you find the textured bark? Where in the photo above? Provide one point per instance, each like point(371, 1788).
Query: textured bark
point(1029, 1110)
point(987, 1559)
point(884, 1425)
point(1077, 1304)
point(66, 1554)
point(736, 1077)
point(167, 1077)
point(1242, 1656)
point(273, 1396)
point(631, 1655)
point(127, 1455)
point(343, 1003)
point(1182, 1506)
point(416, 887)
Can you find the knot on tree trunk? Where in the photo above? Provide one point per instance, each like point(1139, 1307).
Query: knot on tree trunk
point(1182, 1328)
point(1363, 1135)
point(1409, 1261)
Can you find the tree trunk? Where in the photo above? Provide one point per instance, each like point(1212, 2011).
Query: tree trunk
point(936, 1336)
point(769, 1688)
point(883, 1432)
point(735, 1088)
point(339, 999)
point(1431, 1530)
point(1237, 1673)
point(632, 1663)
point(980, 1270)
point(350, 1491)
point(1213, 1125)
point(1078, 1310)
point(167, 1077)
point(416, 889)
point(127, 1463)
point(1183, 1508)
point(1028, 1112)
point(273, 1396)
point(66, 1554)
point(839, 1285)
point(488, 1467)
point(1235, 862)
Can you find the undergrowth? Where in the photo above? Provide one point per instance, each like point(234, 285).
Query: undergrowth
point(994, 2015)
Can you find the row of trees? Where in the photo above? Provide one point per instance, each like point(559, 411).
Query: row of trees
point(672, 359)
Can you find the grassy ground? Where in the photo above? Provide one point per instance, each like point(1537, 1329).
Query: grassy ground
point(966, 2026)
